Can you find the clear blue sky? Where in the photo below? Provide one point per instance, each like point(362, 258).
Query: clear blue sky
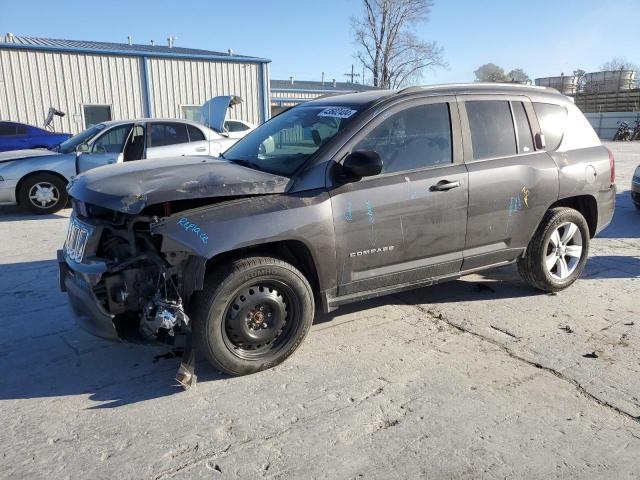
point(304, 38)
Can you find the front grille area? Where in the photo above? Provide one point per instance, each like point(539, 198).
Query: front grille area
point(77, 238)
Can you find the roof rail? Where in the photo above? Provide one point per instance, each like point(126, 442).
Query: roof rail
point(421, 88)
point(415, 88)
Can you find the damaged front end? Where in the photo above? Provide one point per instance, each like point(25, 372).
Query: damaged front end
point(124, 283)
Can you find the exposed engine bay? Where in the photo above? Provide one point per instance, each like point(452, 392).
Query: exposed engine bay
point(143, 286)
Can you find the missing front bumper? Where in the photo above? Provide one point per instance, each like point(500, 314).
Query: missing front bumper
point(85, 307)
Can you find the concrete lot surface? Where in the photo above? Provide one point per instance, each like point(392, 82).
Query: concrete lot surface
point(479, 378)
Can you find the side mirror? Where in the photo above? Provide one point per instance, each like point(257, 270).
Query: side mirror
point(359, 164)
point(541, 143)
point(82, 148)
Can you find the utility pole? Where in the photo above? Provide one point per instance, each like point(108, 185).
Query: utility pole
point(352, 75)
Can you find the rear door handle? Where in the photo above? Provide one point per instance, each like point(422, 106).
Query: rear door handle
point(201, 149)
point(444, 185)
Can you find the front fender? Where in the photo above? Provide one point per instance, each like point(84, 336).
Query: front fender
point(61, 164)
point(248, 222)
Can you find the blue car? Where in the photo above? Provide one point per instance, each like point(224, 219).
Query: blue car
point(19, 136)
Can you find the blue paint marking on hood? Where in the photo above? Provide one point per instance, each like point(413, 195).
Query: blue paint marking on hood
point(130, 187)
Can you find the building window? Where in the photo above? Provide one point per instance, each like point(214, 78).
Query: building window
point(190, 112)
point(94, 114)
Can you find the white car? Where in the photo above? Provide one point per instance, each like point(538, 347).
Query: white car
point(36, 179)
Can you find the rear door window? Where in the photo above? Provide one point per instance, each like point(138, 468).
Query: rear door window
point(525, 139)
point(415, 138)
point(492, 132)
point(195, 134)
point(553, 122)
point(232, 126)
point(167, 133)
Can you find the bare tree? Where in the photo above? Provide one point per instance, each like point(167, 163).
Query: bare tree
point(580, 73)
point(618, 63)
point(490, 72)
point(387, 45)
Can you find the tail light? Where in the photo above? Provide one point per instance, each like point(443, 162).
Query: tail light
point(612, 168)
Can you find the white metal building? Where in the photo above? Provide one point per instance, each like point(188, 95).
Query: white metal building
point(95, 81)
point(288, 93)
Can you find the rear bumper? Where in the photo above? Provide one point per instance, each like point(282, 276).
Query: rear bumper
point(606, 207)
point(85, 307)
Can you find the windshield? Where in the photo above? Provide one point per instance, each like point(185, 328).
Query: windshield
point(287, 141)
point(85, 136)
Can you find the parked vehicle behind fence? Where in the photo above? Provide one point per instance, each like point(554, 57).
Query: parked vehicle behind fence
point(19, 136)
point(336, 200)
point(37, 179)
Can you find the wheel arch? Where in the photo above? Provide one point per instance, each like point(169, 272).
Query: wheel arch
point(586, 205)
point(37, 172)
point(295, 252)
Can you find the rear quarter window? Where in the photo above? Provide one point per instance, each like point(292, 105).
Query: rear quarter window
point(553, 122)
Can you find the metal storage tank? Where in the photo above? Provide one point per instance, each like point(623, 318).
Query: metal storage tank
point(95, 81)
point(610, 81)
point(567, 85)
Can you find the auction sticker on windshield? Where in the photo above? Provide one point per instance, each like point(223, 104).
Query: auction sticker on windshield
point(337, 112)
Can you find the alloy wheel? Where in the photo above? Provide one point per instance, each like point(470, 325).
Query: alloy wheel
point(563, 251)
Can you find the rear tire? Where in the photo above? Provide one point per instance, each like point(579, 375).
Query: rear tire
point(252, 314)
point(558, 251)
point(43, 193)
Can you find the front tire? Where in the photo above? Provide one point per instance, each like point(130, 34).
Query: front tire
point(558, 251)
point(43, 194)
point(252, 314)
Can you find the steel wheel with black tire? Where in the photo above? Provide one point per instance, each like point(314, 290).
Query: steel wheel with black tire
point(558, 251)
point(43, 193)
point(252, 314)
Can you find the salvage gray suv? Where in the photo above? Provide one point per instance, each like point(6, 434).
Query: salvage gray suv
point(334, 201)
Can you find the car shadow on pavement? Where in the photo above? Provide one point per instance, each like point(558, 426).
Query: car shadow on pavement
point(17, 214)
point(613, 266)
point(626, 219)
point(43, 353)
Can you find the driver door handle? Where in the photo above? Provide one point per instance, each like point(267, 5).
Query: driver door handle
point(201, 149)
point(443, 185)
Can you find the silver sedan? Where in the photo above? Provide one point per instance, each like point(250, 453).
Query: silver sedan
point(37, 179)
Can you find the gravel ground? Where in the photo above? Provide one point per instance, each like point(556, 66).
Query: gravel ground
point(479, 378)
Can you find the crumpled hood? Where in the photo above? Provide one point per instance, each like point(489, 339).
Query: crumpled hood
point(22, 154)
point(130, 187)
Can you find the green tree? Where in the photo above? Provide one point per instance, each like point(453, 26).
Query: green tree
point(490, 72)
point(518, 75)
